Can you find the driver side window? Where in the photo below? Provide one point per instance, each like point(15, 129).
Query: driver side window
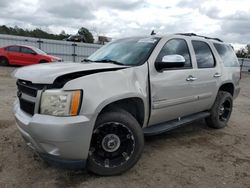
point(26, 50)
point(176, 47)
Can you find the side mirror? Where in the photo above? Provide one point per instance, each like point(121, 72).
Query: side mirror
point(170, 61)
point(33, 53)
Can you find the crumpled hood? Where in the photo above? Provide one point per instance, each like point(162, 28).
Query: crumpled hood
point(48, 72)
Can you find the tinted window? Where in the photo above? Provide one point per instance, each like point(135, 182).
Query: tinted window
point(203, 53)
point(227, 55)
point(175, 46)
point(13, 49)
point(26, 50)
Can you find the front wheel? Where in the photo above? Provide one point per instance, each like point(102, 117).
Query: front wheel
point(221, 110)
point(117, 143)
point(43, 61)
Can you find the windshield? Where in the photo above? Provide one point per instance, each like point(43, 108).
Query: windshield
point(128, 51)
point(38, 51)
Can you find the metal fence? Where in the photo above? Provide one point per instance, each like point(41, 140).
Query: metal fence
point(245, 64)
point(68, 51)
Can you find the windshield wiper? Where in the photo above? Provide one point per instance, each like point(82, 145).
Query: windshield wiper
point(109, 61)
point(87, 60)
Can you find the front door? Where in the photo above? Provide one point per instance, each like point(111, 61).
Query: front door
point(172, 92)
point(29, 56)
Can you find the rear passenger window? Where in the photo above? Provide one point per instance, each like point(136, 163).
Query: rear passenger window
point(227, 55)
point(173, 47)
point(13, 49)
point(204, 55)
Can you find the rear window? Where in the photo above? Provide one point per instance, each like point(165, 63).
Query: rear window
point(227, 55)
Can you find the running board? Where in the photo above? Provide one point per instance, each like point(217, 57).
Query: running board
point(167, 126)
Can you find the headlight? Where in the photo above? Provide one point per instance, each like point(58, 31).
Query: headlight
point(54, 60)
point(60, 103)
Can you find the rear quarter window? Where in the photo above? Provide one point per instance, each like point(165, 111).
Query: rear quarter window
point(227, 55)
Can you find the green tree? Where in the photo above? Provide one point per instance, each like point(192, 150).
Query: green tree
point(37, 33)
point(248, 49)
point(242, 53)
point(87, 34)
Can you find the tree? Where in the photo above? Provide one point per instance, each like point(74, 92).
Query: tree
point(37, 33)
point(248, 49)
point(242, 53)
point(87, 34)
point(63, 33)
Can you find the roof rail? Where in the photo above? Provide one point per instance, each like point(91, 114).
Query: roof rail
point(193, 34)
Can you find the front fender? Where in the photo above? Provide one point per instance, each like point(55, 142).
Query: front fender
point(101, 89)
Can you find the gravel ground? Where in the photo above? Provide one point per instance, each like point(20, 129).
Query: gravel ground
point(192, 156)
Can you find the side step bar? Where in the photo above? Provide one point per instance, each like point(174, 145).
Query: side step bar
point(167, 126)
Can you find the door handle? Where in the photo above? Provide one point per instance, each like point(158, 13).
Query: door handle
point(217, 75)
point(191, 78)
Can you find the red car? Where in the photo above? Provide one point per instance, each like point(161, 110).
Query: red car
point(24, 55)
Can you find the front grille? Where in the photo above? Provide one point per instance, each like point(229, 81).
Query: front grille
point(28, 88)
point(26, 92)
point(27, 106)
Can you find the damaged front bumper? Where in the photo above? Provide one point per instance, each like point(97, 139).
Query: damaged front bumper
point(62, 141)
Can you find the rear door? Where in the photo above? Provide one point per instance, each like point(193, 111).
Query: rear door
point(29, 56)
point(13, 53)
point(207, 73)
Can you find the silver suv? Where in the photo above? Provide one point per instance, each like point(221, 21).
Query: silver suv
point(96, 113)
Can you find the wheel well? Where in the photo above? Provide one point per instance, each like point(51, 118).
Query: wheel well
point(43, 60)
point(134, 106)
point(228, 87)
point(3, 57)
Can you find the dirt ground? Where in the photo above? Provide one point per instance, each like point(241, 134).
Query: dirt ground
point(192, 156)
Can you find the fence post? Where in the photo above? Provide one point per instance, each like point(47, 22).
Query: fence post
point(39, 43)
point(74, 52)
point(242, 64)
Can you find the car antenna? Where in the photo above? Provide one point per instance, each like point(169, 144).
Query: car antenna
point(153, 32)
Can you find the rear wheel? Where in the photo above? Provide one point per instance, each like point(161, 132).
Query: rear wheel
point(4, 61)
point(221, 110)
point(117, 143)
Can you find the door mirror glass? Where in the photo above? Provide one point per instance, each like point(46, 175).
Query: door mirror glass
point(170, 61)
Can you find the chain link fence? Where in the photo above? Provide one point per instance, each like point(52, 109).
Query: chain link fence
point(244, 64)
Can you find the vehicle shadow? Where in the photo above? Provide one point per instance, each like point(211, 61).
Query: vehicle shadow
point(194, 128)
point(15, 66)
point(76, 178)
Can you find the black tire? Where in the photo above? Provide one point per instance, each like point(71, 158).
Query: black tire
point(43, 61)
point(221, 110)
point(4, 61)
point(118, 159)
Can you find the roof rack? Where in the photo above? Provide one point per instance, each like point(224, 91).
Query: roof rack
point(193, 34)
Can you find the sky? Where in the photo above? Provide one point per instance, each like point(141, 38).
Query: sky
point(225, 19)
